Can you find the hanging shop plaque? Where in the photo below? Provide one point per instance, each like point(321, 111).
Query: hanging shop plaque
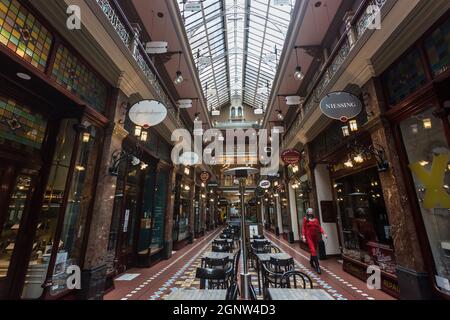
point(341, 106)
point(291, 156)
point(205, 176)
point(147, 113)
point(264, 184)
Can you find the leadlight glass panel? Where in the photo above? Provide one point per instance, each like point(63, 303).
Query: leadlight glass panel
point(438, 49)
point(20, 127)
point(405, 77)
point(23, 34)
point(72, 74)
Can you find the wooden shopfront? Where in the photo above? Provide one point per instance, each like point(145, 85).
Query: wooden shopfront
point(53, 115)
point(183, 208)
point(140, 209)
point(417, 97)
point(358, 205)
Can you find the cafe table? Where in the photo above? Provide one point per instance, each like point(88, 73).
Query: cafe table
point(197, 294)
point(298, 294)
point(265, 257)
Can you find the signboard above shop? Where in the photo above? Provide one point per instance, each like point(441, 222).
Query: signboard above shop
point(291, 156)
point(205, 176)
point(341, 106)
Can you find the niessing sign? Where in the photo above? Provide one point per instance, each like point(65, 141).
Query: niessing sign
point(341, 106)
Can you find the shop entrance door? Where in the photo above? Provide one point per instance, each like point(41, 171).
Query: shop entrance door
point(17, 185)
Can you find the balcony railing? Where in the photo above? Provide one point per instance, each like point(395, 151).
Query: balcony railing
point(130, 38)
point(356, 27)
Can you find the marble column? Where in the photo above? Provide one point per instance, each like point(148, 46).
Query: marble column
point(413, 280)
point(94, 267)
point(168, 221)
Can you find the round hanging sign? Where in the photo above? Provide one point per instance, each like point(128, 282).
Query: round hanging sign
point(291, 156)
point(205, 176)
point(147, 113)
point(264, 184)
point(341, 106)
point(189, 158)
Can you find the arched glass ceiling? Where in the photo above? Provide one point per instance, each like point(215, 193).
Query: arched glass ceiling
point(237, 45)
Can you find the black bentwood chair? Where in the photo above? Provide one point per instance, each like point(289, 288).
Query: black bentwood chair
point(296, 276)
point(282, 265)
point(221, 248)
point(216, 263)
point(216, 278)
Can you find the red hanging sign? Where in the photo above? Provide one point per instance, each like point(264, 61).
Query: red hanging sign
point(291, 156)
point(205, 176)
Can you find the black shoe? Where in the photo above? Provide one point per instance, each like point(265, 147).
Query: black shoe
point(311, 262)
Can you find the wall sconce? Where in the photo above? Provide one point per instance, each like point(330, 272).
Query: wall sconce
point(120, 156)
point(353, 125)
point(348, 163)
point(144, 136)
point(345, 131)
point(86, 137)
point(187, 171)
point(295, 169)
point(137, 131)
point(427, 124)
point(358, 158)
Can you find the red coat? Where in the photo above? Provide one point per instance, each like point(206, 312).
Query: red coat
point(311, 230)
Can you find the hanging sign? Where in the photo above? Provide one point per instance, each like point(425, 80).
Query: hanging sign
point(291, 156)
point(341, 106)
point(189, 158)
point(264, 184)
point(205, 176)
point(147, 113)
point(193, 6)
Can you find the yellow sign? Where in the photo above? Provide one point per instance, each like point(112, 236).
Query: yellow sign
point(435, 194)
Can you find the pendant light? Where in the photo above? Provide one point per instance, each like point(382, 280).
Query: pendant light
point(179, 76)
point(298, 74)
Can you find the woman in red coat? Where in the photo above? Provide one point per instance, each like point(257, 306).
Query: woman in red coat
point(310, 234)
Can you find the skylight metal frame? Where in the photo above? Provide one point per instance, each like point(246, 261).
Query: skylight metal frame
point(238, 47)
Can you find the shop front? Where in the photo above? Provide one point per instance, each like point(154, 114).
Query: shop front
point(50, 148)
point(418, 109)
point(183, 208)
point(136, 236)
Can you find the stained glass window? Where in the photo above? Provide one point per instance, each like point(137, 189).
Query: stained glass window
point(19, 126)
point(438, 49)
point(72, 74)
point(23, 34)
point(404, 77)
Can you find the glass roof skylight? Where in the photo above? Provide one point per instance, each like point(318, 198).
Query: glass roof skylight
point(237, 45)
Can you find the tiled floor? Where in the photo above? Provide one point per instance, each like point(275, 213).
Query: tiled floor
point(179, 272)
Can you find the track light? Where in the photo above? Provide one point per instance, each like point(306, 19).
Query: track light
point(197, 116)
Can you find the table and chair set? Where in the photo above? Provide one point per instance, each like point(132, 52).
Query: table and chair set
point(277, 276)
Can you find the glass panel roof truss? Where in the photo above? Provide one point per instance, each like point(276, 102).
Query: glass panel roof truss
point(239, 43)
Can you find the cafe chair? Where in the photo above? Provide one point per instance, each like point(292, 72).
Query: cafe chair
point(272, 249)
point(233, 292)
point(271, 278)
point(216, 263)
point(290, 279)
point(282, 265)
point(221, 248)
point(220, 242)
point(258, 237)
point(213, 278)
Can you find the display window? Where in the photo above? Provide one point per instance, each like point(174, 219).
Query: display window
point(80, 197)
point(364, 223)
point(161, 192)
point(428, 155)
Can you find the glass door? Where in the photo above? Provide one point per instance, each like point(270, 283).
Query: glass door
point(17, 186)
